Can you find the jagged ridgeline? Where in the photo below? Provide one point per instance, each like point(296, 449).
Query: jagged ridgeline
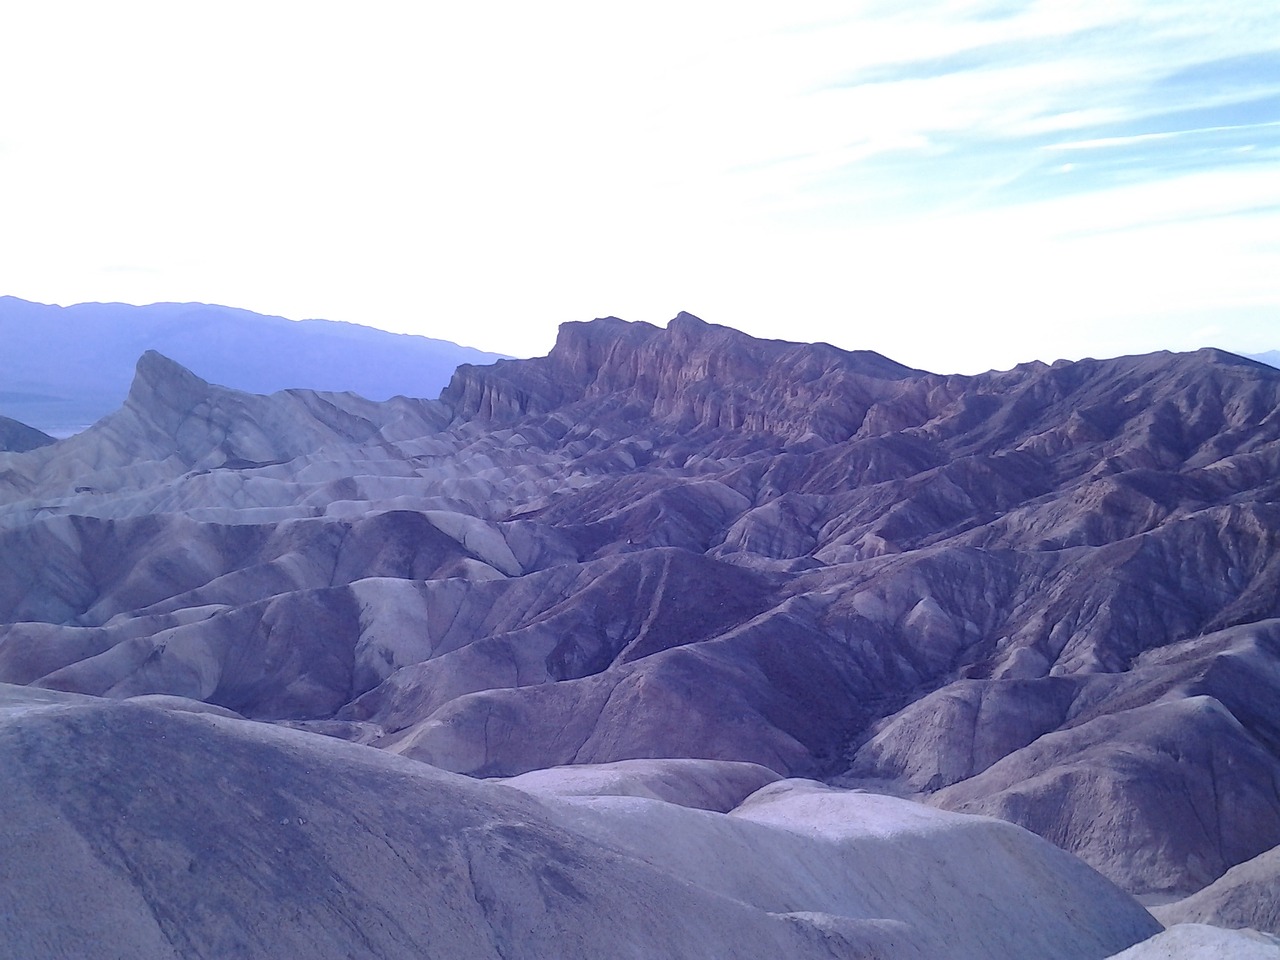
point(1049, 594)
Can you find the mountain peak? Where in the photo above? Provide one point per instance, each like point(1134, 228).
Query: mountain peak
point(690, 375)
point(153, 364)
point(159, 383)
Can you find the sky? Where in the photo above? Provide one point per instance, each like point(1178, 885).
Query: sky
point(959, 185)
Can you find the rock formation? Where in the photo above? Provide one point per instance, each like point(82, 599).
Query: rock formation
point(1049, 594)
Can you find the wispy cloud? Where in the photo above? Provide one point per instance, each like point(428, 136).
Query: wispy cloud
point(1135, 95)
point(934, 167)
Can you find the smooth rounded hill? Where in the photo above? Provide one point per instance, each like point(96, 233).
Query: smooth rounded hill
point(149, 833)
point(1194, 941)
point(718, 785)
point(1244, 896)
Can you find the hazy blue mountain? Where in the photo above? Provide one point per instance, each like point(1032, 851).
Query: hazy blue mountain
point(65, 367)
point(1271, 358)
point(19, 437)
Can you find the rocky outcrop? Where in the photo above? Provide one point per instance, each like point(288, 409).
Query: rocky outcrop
point(172, 422)
point(206, 426)
point(692, 376)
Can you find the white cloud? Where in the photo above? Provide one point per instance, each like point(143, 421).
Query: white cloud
point(485, 172)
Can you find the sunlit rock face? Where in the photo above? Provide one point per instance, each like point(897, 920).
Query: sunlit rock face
point(1048, 594)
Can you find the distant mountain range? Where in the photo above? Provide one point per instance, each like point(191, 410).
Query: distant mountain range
point(1271, 358)
point(66, 367)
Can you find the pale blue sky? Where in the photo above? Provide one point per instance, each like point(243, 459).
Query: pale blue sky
point(959, 185)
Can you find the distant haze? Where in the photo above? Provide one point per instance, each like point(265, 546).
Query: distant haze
point(66, 367)
point(959, 186)
point(1271, 357)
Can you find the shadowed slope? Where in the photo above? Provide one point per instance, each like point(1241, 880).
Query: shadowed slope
point(19, 438)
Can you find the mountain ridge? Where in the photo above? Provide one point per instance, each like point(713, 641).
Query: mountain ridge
point(69, 366)
point(1048, 593)
point(672, 374)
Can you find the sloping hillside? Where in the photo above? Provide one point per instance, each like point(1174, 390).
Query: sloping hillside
point(1049, 594)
